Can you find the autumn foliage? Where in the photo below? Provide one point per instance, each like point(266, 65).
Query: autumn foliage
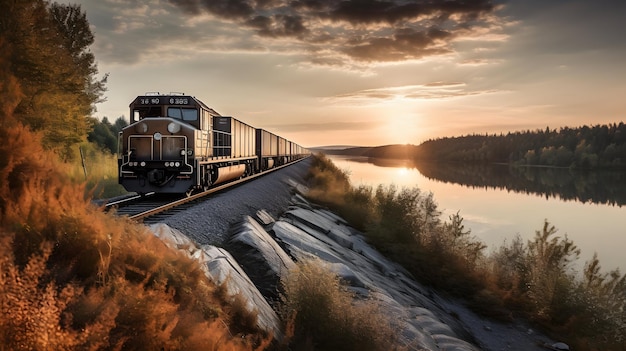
point(45, 46)
point(71, 276)
point(75, 278)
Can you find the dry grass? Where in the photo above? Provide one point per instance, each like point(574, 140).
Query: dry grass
point(322, 315)
point(75, 278)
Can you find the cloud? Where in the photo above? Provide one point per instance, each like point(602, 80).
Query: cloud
point(433, 90)
point(339, 32)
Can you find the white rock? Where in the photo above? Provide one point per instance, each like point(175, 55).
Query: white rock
point(560, 346)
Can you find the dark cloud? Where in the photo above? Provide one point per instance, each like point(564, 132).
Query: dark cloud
point(278, 26)
point(404, 44)
point(361, 30)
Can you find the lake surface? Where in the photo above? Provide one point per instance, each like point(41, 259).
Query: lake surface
point(498, 202)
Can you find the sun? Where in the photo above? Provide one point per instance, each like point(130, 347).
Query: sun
point(402, 129)
point(401, 121)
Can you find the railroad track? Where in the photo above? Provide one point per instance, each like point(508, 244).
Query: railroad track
point(139, 208)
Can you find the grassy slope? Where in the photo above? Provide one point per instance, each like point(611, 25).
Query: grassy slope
point(74, 277)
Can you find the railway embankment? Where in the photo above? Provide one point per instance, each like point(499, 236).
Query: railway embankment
point(249, 238)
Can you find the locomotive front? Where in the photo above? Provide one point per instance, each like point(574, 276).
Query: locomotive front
point(159, 148)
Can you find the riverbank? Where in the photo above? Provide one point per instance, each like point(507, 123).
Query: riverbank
point(262, 250)
point(531, 279)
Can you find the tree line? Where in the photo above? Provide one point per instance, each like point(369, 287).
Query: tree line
point(586, 147)
point(49, 76)
point(104, 134)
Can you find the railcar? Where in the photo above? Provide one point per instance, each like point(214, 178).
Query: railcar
point(177, 144)
point(266, 149)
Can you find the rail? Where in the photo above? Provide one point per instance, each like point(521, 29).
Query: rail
point(160, 208)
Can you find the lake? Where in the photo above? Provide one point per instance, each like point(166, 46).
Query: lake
point(498, 202)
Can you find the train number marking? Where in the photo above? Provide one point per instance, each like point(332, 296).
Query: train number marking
point(179, 101)
point(150, 101)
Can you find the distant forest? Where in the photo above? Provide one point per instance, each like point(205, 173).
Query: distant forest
point(600, 146)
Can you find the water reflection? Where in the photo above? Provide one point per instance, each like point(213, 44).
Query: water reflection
point(598, 187)
point(499, 202)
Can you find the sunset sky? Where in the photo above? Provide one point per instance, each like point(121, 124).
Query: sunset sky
point(369, 72)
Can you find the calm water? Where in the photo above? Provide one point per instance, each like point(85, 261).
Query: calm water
point(497, 205)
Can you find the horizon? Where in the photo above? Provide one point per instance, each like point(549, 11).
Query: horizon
point(370, 72)
point(343, 147)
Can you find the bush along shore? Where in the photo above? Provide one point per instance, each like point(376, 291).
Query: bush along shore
point(533, 280)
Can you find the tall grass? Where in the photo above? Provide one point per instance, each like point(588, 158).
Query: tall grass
point(75, 278)
point(322, 315)
point(98, 169)
point(534, 279)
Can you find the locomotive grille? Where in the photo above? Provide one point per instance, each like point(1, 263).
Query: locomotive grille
point(171, 147)
point(147, 148)
point(142, 147)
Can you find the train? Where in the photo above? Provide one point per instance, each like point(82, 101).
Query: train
point(177, 144)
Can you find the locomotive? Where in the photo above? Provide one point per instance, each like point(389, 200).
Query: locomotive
point(177, 144)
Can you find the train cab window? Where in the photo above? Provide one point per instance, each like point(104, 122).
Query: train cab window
point(185, 114)
point(141, 113)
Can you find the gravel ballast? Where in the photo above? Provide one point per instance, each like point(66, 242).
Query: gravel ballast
point(208, 222)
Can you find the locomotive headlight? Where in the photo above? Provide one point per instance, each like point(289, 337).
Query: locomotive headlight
point(177, 164)
point(167, 164)
point(173, 127)
point(157, 136)
point(190, 152)
point(143, 163)
point(182, 152)
point(141, 128)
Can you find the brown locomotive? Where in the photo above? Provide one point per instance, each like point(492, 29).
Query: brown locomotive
point(177, 144)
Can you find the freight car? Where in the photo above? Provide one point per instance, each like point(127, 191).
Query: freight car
point(177, 144)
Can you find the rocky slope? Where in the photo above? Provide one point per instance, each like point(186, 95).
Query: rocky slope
point(250, 236)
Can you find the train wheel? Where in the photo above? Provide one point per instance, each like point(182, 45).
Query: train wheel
point(206, 180)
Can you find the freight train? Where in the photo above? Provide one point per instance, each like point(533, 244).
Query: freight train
point(177, 144)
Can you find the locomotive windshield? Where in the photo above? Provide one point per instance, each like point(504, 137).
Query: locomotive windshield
point(186, 114)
